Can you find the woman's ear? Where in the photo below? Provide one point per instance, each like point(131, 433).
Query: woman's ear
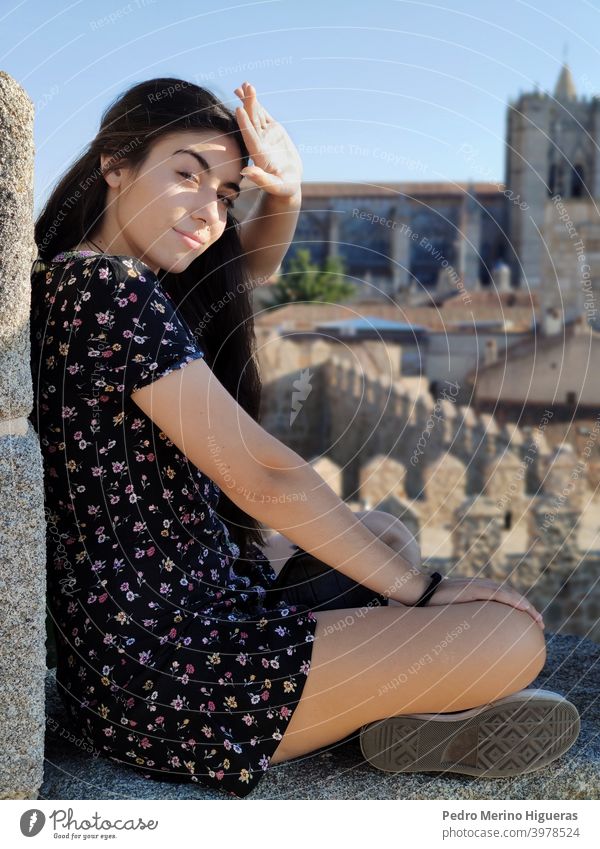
point(113, 178)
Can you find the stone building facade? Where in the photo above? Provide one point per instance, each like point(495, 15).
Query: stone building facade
point(560, 370)
point(408, 239)
point(403, 239)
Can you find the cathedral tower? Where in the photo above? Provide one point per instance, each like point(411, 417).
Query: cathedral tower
point(552, 148)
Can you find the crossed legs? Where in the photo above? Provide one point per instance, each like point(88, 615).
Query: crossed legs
point(370, 663)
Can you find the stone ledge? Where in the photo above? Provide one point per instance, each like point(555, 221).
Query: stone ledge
point(339, 772)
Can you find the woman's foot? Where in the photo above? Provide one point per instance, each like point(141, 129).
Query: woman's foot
point(513, 735)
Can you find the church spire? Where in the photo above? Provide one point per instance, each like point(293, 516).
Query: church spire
point(565, 87)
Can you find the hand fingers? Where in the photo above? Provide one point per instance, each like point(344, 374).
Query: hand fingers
point(251, 106)
point(266, 180)
point(488, 589)
point(268, 117)
point(512, 597)
point(248, 100)
point(248, 94)
point(249, 133)
point(259, 110)
point(521, 603)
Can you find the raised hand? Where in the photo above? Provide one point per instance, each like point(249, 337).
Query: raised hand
point(277, 167)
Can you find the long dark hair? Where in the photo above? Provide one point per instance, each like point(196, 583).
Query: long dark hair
point(75, 208)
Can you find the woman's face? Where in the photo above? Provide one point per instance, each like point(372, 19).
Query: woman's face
point(175, 191)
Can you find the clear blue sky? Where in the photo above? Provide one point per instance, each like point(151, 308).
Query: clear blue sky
point(368, 91)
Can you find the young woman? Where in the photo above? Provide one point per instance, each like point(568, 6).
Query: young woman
point(159, 480)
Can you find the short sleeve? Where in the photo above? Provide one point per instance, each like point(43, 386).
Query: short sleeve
point(129, 326)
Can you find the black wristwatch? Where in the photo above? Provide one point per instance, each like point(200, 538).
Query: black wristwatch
point(435, 579)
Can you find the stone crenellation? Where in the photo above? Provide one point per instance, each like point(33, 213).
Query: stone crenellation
point(438, 465)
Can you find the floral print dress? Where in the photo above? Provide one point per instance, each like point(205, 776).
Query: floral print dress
point(170, 659)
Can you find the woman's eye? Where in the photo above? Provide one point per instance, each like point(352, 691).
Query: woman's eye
point(187, 174)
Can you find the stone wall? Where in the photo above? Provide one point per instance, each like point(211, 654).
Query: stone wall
point(22, 525)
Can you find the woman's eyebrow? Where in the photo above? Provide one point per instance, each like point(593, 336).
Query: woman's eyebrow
point(204, 165)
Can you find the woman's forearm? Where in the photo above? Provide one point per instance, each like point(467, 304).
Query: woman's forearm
point(266, 233)
point(300, 505)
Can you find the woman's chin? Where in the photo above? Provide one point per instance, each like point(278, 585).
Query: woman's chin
point(178, 264)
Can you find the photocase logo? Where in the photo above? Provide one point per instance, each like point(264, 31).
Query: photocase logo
point(303, 389)
point(64, 824)
point(32, 822)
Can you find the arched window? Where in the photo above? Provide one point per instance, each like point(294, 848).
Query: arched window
point(577, 182)
point(552, 179)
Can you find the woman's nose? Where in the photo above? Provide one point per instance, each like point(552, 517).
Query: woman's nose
point(209, 211)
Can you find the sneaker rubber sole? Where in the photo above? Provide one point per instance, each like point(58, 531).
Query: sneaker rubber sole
point(511, 736)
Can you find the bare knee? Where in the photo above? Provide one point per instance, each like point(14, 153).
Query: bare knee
point(519, 641)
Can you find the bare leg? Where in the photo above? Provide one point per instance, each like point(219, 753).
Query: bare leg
point(370, 663)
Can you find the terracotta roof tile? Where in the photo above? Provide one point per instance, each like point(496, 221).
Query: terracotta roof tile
point(412, 189)
point(307, 316)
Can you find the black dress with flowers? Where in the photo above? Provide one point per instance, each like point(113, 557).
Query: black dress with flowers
point(170, 659)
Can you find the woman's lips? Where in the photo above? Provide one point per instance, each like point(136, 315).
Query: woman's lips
point(192, 242)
